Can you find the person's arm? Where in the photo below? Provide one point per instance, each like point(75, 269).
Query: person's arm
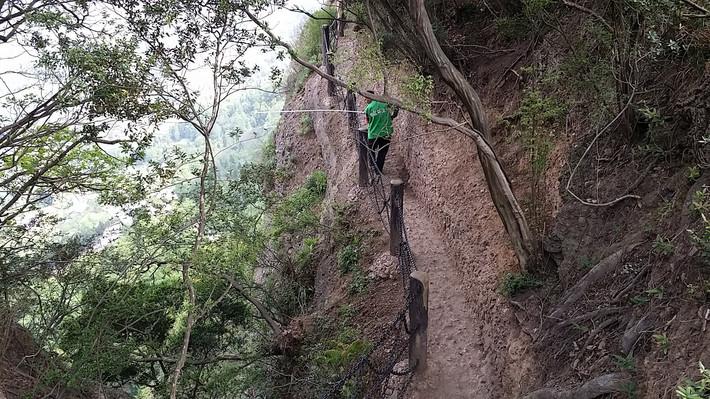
point(395, 112)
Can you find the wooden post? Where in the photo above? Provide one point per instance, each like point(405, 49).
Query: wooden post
point(329, 67)
point(363, 176)
point(418, 320)
point(360, 137)
point(396, 206)
point(324, 45)
point(350, 106)
point(341, 16)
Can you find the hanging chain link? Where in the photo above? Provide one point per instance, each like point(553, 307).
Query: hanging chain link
point(370, 376)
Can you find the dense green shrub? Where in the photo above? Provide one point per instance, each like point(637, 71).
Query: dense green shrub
point(297, 213)
point(317, 183)
point(699, 389)
point(514, 283)
point(349, 258)
point(306, 125)
point(359, 282)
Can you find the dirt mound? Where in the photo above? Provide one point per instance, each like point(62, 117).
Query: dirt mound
point(23, 366)
point(21, 361)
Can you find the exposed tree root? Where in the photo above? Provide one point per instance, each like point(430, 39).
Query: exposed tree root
point(631, 285)
point(604, 384)
point(634, 330)
point(587, 316)
point(606, 323)
point(601, 270)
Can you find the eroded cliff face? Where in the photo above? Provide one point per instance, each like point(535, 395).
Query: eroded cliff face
point(476, 346)
point(481, 343)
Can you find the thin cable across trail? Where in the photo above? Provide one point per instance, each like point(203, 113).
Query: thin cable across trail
point(304, 111)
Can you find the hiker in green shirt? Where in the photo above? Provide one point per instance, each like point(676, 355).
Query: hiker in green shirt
point(379, 131)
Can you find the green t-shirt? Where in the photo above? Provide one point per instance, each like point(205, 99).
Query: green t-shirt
point(379, 120)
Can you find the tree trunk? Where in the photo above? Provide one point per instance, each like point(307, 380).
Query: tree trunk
point(498, 184)
point(263, 311)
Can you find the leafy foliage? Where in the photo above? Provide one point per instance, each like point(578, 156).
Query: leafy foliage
point(699, 389)
point(306, 125)
point(297, 212)
point(662, 342)
point(359, 282)
point(536, 114)
point(663, 246)
point(417, 90)
point(524, 22)
point(114, 309)
point(535, 123)
point(625, 362)
point(349, 258)
point(514, 283)
point(700, 205)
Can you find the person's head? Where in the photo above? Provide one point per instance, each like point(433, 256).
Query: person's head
point(369, 92)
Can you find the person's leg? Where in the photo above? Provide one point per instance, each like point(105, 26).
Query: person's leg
point(384, 146)
point(372, 154)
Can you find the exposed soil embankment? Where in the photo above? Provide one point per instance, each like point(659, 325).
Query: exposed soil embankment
point(624, 289)
point(330, 147)
point(476, 348)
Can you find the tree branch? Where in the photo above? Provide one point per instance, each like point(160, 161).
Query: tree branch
point(590, 12)
point(263, 311)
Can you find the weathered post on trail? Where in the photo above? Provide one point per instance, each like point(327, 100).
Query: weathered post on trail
point(396, 209)
point(340, 15)
point(324, 44)
point(360, 137)
point(363, 176)
point(352, 112)
point(418, 320)
point(329, 67)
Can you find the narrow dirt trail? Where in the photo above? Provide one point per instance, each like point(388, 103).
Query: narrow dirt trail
point(454, 354)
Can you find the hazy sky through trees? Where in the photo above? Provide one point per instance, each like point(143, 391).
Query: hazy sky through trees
point(20, 75)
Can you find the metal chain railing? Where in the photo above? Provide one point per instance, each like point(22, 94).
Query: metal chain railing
point(384, 371)
point(371, 375)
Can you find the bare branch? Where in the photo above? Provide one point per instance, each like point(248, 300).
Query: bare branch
point(589, 147)
point(590, 12)
point(697, 6)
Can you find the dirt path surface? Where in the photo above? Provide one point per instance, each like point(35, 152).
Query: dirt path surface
point(455, 357)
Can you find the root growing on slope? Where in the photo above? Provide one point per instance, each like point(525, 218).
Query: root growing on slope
point(604, 384)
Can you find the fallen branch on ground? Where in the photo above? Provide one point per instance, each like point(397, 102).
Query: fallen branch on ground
point(588, 316)
point(590, 12)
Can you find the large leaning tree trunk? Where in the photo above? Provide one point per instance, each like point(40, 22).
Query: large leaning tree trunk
point(498, 184)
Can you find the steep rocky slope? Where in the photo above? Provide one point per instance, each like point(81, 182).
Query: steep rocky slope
point(614, 300)
point(454, 232)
